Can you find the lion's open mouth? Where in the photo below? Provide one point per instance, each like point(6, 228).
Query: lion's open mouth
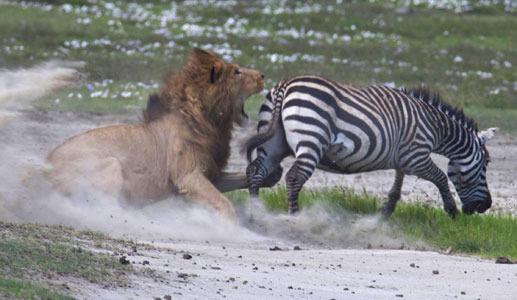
point(243, 117)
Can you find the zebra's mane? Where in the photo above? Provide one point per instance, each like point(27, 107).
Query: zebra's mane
point(435, 100)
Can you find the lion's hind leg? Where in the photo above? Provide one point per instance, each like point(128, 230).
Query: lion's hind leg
point(103, 176)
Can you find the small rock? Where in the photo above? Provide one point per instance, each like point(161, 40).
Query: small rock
point(399, 295)
point(463, 293)
point(145, 262)
point(167, 297)
point(297, 248)
point(276, 248)
point(133, 248)
point(183, 275)
point(187, 256)
point(123, 260)
point(503, 260)
point(215, 268)
point(412, 265)
point(436, 272)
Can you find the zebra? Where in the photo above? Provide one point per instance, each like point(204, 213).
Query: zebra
point(346, 129)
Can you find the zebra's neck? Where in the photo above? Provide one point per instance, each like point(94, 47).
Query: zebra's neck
point(453, 140)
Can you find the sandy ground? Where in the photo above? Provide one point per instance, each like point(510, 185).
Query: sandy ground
point(235, 261)
point(252, 271)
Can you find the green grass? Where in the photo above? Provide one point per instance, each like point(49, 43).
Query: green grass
point(486, 235)
point(484, 38)
point(20, 254)
point(37, 252)
point(19, 289)
point(506, 119)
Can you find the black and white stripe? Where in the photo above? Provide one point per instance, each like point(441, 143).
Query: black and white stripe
point(346, 129)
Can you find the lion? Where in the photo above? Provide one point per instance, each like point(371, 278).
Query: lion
point(182, 145)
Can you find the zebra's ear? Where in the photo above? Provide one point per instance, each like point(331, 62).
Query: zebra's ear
point(487, 134)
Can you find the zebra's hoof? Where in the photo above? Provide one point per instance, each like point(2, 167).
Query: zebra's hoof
point(387, 211)
point(293, 211)
point(452, 211)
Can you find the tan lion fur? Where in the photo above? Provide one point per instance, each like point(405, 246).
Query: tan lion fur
point(182, 145)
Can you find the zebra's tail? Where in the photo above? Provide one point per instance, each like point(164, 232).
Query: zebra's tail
point(255, 141)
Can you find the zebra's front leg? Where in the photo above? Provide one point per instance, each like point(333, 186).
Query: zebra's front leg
point(429, 171)
point(256, 173)
point(393, 195)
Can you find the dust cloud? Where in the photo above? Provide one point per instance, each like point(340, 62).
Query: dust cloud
point(323, 225)
point(20, 87)
point(27, 196)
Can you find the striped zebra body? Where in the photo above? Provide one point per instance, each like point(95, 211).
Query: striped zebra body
point(346, 129)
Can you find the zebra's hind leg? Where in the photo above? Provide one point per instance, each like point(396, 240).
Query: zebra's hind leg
point(393, 195)
point(429, 171)
point(295, 178)
point(258, 175)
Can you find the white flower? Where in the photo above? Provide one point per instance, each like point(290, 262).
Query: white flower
point(390, 84)
point(457, 59)
point(484, 75)
point(96, 94)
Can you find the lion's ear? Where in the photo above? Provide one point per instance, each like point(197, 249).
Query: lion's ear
point(200, 53)
point(215, 72)
point(208, 61)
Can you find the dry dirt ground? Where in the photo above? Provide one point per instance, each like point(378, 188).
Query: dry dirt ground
point(252, 271)
point(217, 260)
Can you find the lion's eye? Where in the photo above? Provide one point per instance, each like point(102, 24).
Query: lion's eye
point(237, 72)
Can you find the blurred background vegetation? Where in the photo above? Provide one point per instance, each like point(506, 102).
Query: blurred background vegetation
point(467, 50)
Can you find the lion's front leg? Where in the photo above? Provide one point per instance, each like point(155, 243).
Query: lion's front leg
point(198, 188)
point(230, 181)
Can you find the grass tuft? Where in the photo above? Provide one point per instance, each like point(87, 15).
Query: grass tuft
point(488, 235)
point(33, 251)
point(13, 288)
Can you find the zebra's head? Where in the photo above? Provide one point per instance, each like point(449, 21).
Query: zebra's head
point(468, 174)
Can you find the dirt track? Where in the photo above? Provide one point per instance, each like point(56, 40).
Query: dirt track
point(254, 272)
point(239, 264)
